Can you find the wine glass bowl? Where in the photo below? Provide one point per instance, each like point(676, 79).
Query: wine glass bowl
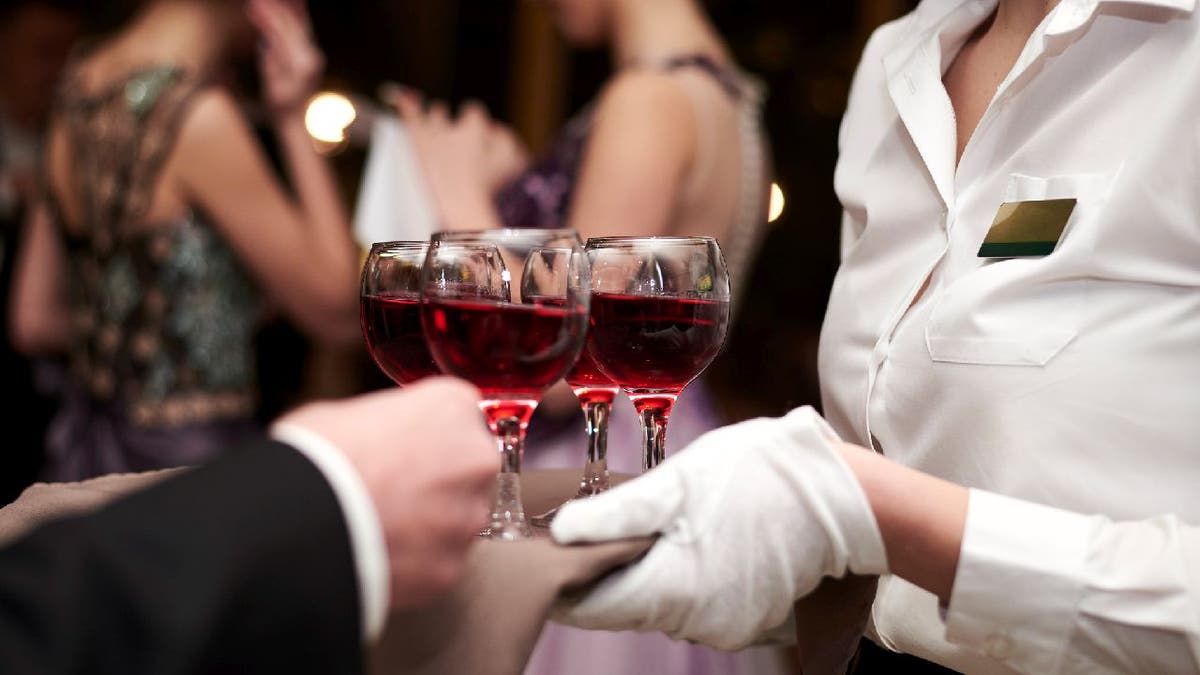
point(659, 316)
point(390, 310)
point(507, 311)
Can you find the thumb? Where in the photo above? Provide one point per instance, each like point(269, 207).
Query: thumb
point(641, 507)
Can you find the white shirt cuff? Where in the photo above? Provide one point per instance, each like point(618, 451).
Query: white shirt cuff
point(1021, 573)
point(362, 521)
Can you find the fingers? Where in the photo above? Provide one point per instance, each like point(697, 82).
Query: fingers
point(412, 107)
point(473, 114)
point(282, 20)
point(444, 386)
point(456, 401)
point(282, 30)
point(422, 572)
point(437, 116)
point(644, 506)
point(298, 11)
point(272, 23)
point(422, 120)
point(409, 104)
point(626, 599)
point(289, 60)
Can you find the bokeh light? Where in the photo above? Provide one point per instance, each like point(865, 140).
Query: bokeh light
point(775, 206)
point(328, 115)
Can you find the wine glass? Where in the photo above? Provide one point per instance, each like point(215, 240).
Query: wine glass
point(511, 337)
point(390, 310)
point(660, 311)
point(596, 393)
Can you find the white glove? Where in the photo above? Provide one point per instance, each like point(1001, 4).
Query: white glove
point(750, 518)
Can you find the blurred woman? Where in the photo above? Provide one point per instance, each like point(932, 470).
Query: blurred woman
point(672, 145)
point(163, 230)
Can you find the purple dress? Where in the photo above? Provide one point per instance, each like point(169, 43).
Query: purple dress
point(541, 197)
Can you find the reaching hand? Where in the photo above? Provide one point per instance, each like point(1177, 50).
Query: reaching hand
point(750, 517)
point(429, 464)
point(465, 160)
point(289, 61)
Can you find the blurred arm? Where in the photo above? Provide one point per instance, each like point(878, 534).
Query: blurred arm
point(300, 252)
point(38, 321)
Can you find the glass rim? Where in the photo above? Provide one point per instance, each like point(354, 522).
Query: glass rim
point(399, 243)
point(500, 232)
point(634, 239)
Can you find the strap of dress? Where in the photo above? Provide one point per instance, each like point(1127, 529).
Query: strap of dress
point(731, 82)
point(120, 137)
point(747, 93)
point(746, 235)
point(164, 106)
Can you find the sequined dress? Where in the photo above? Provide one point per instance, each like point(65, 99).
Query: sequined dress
point(162, 316)
point(541, 197)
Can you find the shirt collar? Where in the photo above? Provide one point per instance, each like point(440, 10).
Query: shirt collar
point(1069, 14)
point(935, 30)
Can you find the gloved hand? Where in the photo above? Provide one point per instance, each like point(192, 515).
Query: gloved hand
point(750, 517)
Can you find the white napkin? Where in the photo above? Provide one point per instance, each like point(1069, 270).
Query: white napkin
point(393, 201)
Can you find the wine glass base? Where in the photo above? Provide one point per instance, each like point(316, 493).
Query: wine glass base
point(508, 522)
point(585, 490)
point(543, 521)
point(507, 530)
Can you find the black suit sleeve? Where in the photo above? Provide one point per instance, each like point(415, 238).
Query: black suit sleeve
point(243, 566)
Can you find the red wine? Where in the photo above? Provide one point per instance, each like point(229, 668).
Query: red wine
point(509, 351)
point(588, 395)
point(588, 382)
point(391, 325)
point(655, 344)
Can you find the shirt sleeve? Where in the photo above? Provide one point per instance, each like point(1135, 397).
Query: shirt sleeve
point(362, 521)
point(1043, 590)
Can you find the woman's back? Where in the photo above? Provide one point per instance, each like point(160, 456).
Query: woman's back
point(724, 194)
point(721, 194)
point(161, 314)
point(160, 209)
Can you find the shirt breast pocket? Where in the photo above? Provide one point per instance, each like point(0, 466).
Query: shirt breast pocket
point(1021, 311)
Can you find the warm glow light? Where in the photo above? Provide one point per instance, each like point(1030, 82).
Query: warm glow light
point(775, 209)
point(328, 115)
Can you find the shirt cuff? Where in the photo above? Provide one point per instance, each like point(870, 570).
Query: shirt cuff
point(362, 521)
point(1021, 573)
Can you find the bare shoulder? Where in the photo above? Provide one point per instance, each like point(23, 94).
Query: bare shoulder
point(213, 120)
point(216, 148)
point(646, 99)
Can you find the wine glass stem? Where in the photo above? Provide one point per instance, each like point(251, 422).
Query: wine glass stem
point(508, 513)
point(595, 470)
point(654, 431)
point(512, 440)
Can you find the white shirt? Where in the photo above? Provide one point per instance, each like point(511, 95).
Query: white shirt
point(1070, 380)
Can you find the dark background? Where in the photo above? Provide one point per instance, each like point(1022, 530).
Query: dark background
point(505, 53)
point(805, 52)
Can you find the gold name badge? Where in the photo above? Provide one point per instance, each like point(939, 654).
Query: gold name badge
point(1027, 229)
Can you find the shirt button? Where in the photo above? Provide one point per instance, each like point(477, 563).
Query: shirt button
point(997, 646)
